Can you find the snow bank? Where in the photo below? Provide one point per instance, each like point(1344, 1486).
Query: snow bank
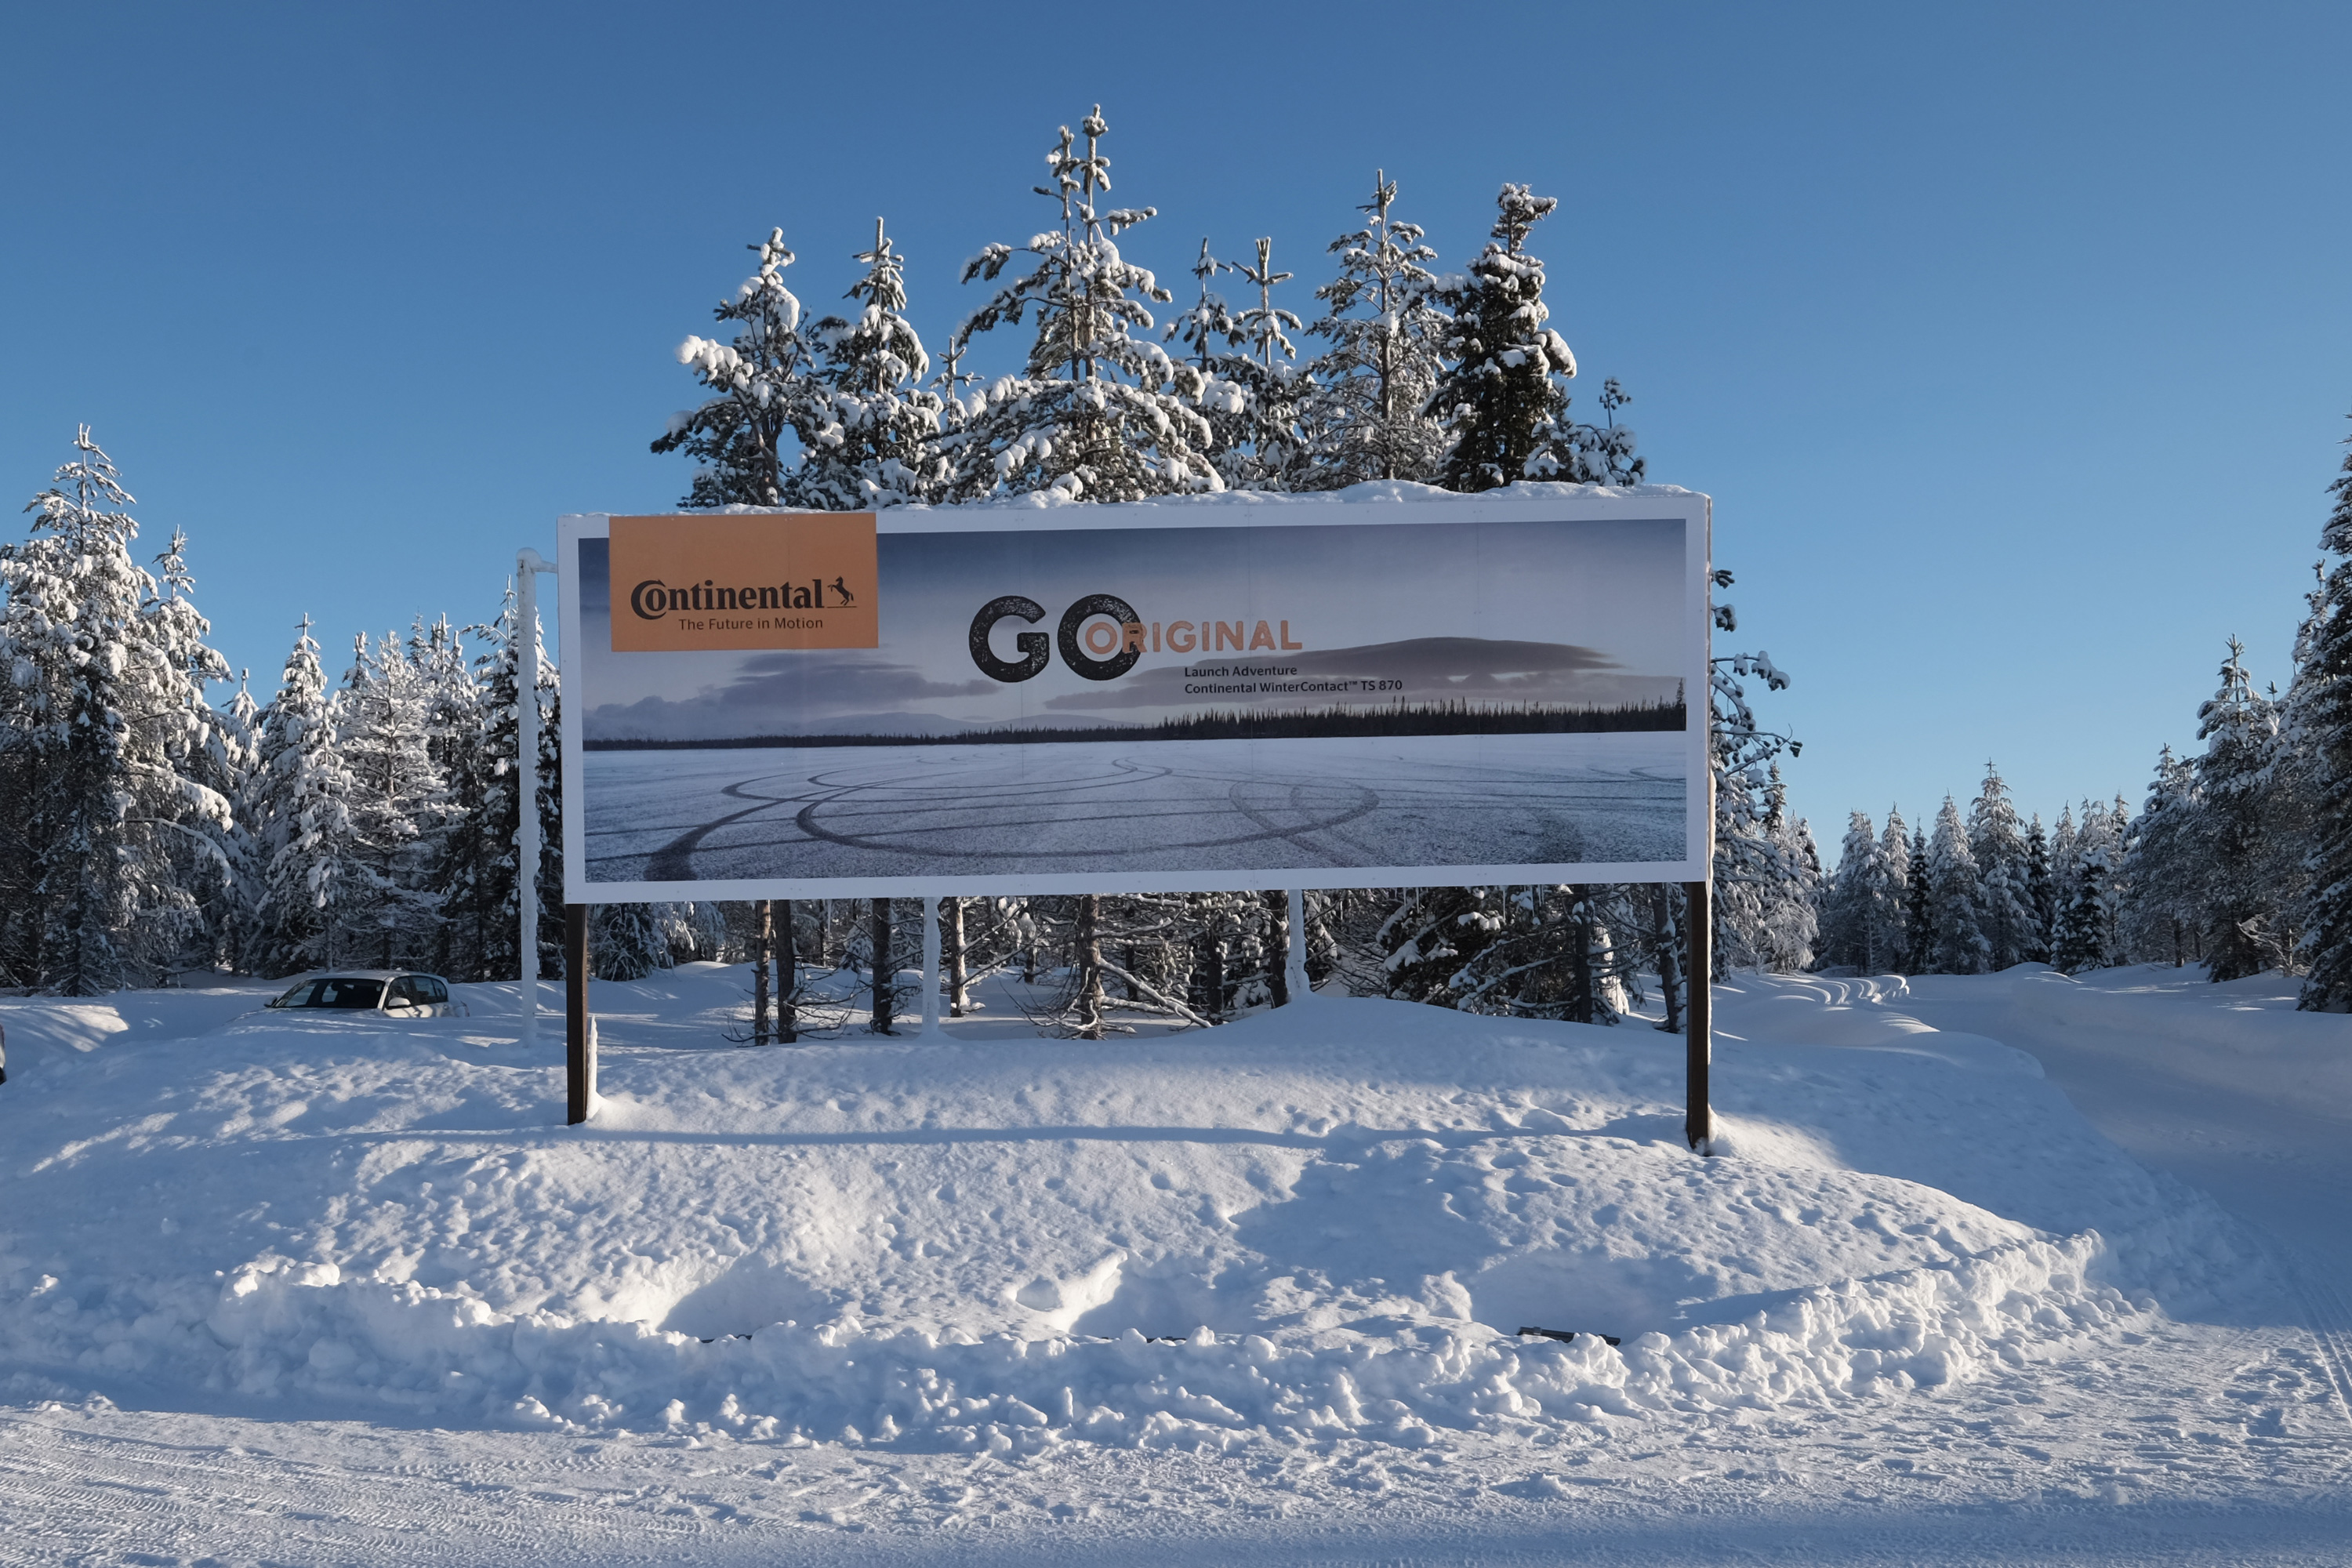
point(300, 1329)
point(1327, 1219)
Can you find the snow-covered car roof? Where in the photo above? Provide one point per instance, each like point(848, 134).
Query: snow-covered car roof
point(356, 974)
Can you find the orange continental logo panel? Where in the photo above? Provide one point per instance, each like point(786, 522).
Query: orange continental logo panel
point(684, 583)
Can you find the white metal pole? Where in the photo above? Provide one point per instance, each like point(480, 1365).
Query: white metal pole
point(931, 967)
point(1294, 966)
point(528, 564)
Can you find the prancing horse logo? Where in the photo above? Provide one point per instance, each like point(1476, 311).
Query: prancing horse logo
point(847, 598)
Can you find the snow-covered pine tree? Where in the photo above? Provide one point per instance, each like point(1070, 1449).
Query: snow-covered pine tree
point(1097, 411)
point(2322, 712)
point(398, 803)
point(1954, 892)
point(2040, 889)
point(313, 881)
point(115, 826)
point(2240, 729)
point(2004, 893)
point(1366, 415)
point(2164, 864)
point(873, 436)
point(763, 391)
point(1498, 394)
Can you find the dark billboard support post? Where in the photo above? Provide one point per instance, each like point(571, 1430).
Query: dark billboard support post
point(1698, 925)
point(579, 1043)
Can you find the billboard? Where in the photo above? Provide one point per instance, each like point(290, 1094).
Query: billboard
point(1228, 693)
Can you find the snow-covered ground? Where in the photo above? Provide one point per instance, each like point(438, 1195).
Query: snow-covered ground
point(1198, 807)
point(322, 1291)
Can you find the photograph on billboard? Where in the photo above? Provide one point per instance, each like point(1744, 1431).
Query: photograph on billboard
point(1261, 693)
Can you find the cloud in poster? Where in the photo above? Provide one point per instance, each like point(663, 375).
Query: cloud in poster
point(782, 693)
point(1483, 669)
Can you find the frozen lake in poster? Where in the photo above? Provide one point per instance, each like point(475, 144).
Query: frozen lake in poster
point(1146, 807)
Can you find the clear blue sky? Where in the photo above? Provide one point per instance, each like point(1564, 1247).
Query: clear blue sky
point(2014, 342)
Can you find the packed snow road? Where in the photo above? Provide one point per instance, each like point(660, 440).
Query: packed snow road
point(1194, 807)
point(2226, 1087)
point(271, 1289)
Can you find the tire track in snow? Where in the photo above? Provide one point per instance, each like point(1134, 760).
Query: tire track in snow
point(2323, 1314)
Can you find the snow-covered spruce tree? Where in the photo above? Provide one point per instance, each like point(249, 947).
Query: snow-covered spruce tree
point(1208, 329)
point(453, 726)
point(1853, 923)
point(1136, 954)
point(2004, 892)
point(2321, 710)
point(1366, 415)
point(2241, 901)
point(2084, 939)
point(1758, 873)
point(215, 752)
point(1498, 394)
point(477, 876)
point(2040, 889)
point(114, 827)
point(2297, 801)
point(1895, 852)
point(399, 801)
point(1790, 926)
point(1098, 411)
point(2164, 866)
point(240, 927)
point(1919, 921)
point(1957, 945)
point(874, 433)
point(313, 879)
point(1270, 455)
point(1576, 453)
point(1252, 391)
point(1548, 952)
point(761, 390)
point(627, 942)
point(2118, 886)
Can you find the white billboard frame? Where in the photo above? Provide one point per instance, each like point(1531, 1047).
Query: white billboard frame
point(1693, 509)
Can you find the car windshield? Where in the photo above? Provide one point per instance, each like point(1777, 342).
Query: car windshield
point(335, 990)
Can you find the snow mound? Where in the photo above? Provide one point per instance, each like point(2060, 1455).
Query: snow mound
point(1331, 1218)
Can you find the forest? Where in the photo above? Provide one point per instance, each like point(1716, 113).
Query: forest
point(149, 829)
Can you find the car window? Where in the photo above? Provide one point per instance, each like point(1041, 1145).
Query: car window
point(299, 993)
point(403, 991)
point(347, 993)
point(430, 988)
